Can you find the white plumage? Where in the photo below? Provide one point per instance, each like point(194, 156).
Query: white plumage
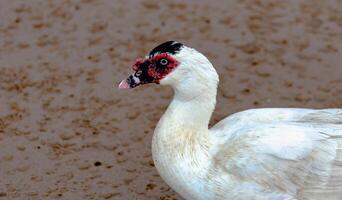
point(261, 154)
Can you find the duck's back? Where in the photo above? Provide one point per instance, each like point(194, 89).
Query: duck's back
point(279, 154)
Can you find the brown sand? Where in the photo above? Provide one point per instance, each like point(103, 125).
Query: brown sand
point(67, 132)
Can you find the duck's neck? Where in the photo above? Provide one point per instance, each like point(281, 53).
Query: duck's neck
point(182, 140)
point(188, 115)
point(192, 110)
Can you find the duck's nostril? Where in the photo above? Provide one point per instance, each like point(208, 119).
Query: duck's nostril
point(138, 73)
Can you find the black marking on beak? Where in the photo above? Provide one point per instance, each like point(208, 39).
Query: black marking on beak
point(133, 81)
point(141, 75)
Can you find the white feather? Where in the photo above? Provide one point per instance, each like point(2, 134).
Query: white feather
point(255, 154)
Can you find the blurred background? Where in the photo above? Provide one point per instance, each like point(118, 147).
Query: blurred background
point(67, 132)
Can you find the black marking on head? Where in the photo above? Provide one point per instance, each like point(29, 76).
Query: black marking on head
point(141, 74)
point(170, 47)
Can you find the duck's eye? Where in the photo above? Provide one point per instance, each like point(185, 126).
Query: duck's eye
point(163, 61)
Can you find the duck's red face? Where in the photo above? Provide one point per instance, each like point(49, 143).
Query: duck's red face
point(151, 70)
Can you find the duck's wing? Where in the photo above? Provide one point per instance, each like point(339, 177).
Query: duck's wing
point(299, 157)
point(270, 115)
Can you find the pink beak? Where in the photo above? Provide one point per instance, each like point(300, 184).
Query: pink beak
point(124, 85)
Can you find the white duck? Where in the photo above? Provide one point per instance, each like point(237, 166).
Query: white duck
point(272, 153)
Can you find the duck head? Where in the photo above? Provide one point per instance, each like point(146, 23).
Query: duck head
point(172, 63)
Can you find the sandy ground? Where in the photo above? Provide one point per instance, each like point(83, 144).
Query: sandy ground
point(67, 132)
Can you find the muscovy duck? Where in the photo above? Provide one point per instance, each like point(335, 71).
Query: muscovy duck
point(259, 154)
